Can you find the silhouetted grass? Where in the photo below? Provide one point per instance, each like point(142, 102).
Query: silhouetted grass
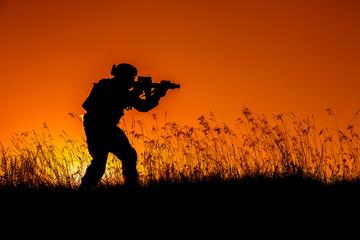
point(258, 151)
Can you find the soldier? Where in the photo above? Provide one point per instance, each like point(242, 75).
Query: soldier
point(105, 106)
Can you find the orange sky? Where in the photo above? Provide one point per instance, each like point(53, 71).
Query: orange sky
point(271, 56)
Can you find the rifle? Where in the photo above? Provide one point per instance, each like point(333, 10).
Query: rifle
point(145, 84)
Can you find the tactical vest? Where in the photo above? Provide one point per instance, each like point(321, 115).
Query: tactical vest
point(107, 102)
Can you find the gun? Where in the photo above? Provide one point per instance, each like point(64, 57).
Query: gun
point(146, 85)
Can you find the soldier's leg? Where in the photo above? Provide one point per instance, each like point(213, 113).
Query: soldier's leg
point(96, 169)
point(127, 154)
point(96, 137)
point(128, 159)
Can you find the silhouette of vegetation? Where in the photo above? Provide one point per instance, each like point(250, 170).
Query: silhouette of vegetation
point(258, 150)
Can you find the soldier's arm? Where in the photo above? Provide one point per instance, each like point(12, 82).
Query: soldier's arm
point(145, 105)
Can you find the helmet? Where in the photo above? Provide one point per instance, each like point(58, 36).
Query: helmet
point(124, 69)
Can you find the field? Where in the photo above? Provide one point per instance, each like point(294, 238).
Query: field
point(257, 151)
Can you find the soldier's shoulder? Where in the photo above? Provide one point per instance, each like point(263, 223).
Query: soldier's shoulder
point(106, 82)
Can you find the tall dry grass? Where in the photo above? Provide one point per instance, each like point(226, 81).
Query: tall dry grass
point(281, 147)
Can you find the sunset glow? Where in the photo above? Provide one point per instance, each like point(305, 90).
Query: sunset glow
point(271, 56)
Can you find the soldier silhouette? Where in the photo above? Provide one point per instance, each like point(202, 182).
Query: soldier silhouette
point(105, 106)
